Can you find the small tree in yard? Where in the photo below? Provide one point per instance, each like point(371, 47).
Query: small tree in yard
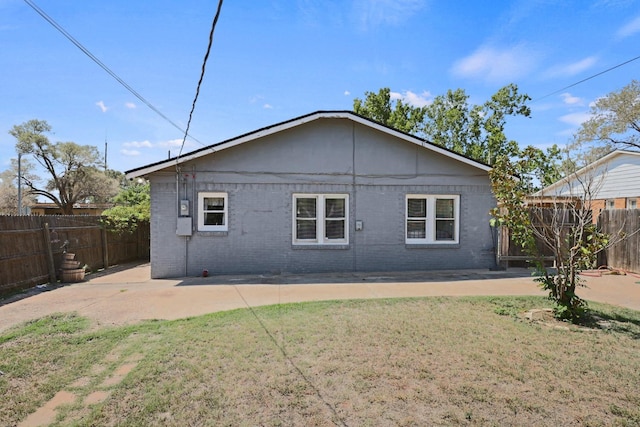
point(560, 225)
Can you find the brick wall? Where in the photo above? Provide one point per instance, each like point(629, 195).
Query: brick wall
point(259, 238)
point(598, 206)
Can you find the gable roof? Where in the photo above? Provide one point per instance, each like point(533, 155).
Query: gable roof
point(282, 126)
point(594, 167)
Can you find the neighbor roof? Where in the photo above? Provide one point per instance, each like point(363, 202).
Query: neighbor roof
point(581, 172)
point(279, 127)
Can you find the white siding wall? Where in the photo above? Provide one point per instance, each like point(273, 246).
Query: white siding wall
point(619, 177)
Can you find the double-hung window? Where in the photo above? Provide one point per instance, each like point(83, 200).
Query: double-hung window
point(213, 212)
point(320, 219)
point(432, 219)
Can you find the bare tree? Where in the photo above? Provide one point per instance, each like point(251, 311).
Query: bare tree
point(9, 187)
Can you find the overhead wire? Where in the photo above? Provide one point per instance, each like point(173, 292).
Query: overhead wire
point(587, 79)
point(102, 65)
point(204, 65)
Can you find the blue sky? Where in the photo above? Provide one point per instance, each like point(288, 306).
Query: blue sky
point(273, 60)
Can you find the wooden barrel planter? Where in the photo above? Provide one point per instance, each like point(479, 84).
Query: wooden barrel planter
point(69, 271)
point(71, 276)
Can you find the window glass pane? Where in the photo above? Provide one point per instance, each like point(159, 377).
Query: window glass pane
point(305, 229)
point(211, 218)
point(334, 229)
point(305, 207)
point(416, 208)
point(334, 208)
point(445, 230)
point(416, 229)
point(213, 203)
point(444, 208)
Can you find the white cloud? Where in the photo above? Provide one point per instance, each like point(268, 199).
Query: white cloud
point(568, 70)
point(575, 119)
point(267, 106)
point(347, 93)
point(176, 143)
point(138, 144)
point(102, 107)
point(130, 105)
point(569, 99)
point(173, 143)
point(418, 100)
point(413, 99)
point(373, 13)
point(494, 64)
point(130, 152)
point(629, 29)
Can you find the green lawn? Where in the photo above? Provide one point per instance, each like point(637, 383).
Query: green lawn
point(426, 361)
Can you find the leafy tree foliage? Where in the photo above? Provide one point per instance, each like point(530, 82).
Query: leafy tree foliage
point(73, 170)
point(401, 116)
point(615, 120)
point(132, 206)
point(476, 131)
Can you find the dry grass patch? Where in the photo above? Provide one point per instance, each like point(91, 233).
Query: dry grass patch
point(433, 361)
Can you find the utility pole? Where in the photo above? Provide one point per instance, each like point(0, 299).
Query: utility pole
point(105, 151)
point(19, 183)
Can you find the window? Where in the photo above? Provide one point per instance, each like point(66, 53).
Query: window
point(432, 219)
point(632, 203)
point(320, 219)
point(611, 204)
point(212, 212)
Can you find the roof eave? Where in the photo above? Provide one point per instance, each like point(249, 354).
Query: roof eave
point(279, 127)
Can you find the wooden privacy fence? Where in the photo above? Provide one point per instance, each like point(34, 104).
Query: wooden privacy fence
point(619, 223)
point(31, 247)
point(510, 253)
point(622, 225)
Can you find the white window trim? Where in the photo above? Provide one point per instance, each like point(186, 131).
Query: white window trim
point(632, 201)
point(320, 219)
point(201, 225)
point(430, 237)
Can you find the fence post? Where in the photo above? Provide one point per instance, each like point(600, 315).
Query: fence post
point(105, 248)
point(50, 264)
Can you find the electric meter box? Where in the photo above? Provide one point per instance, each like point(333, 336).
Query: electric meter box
point(184, 208)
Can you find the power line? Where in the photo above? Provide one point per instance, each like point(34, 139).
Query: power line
point(588, 78)
point(204, 65)
point(86, 51)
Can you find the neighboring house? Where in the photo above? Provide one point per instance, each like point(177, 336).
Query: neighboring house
point(329, 191)
point(78, 208)
point(611, 182)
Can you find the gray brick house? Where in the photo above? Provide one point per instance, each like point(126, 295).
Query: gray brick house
point(328, 191)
